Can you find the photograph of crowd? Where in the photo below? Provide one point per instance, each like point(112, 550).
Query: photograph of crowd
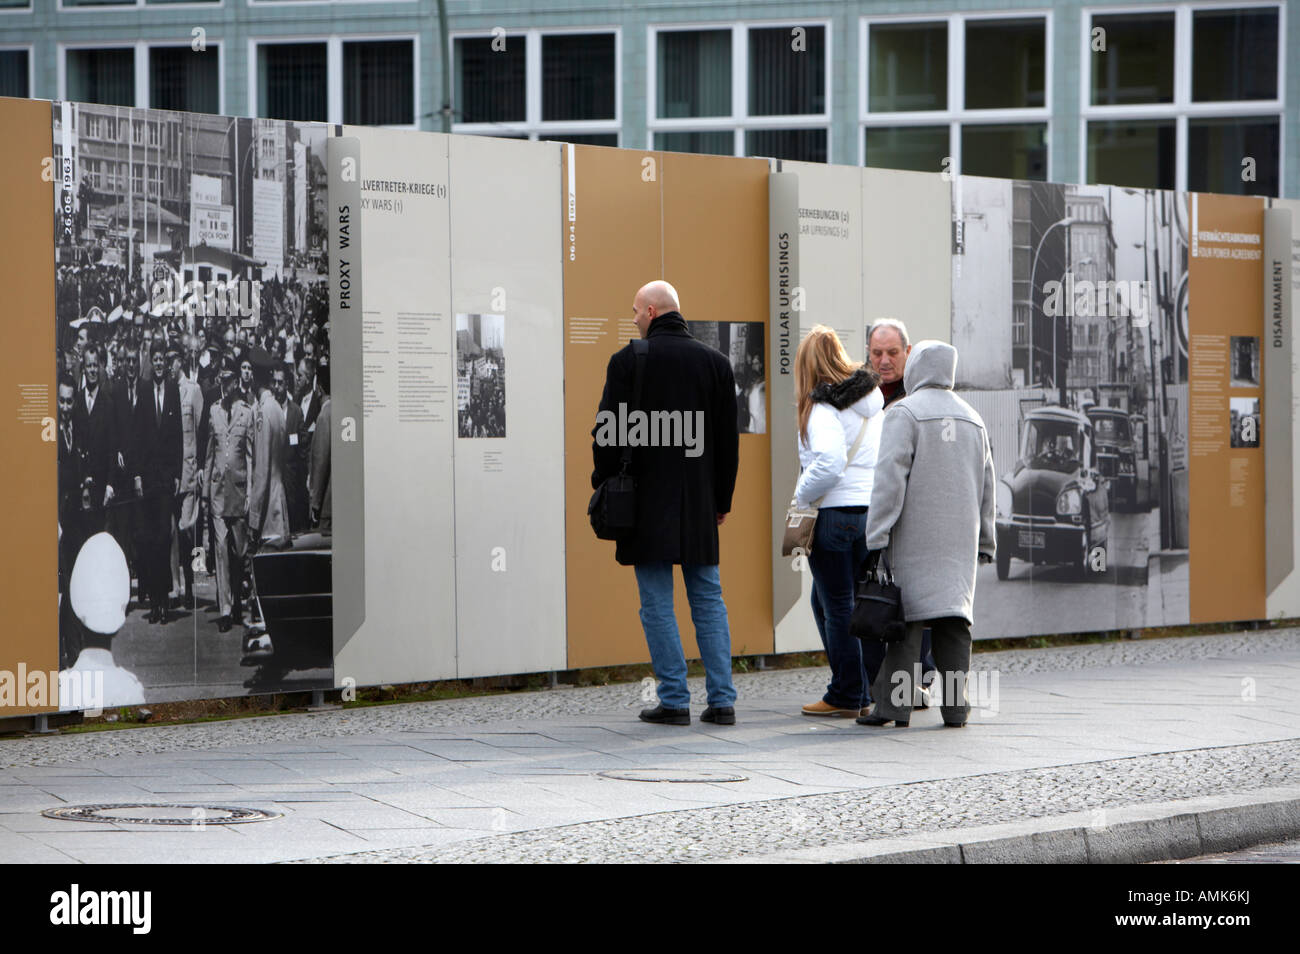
point(193, 358)
point(481, 375)
point(742, 343)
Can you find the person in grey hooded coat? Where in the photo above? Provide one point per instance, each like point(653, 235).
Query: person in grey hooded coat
point(932, 511)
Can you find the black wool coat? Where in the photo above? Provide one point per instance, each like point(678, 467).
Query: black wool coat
point(678, 496)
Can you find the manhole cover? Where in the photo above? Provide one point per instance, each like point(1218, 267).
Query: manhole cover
point(672, 775)
point(160, 814)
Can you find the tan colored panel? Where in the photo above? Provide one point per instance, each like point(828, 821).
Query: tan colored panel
point(611, 248)
point(715, 253)
point(29, 479)
point(712, 244)
point(1226, 298)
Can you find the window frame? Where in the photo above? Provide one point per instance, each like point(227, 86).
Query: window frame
point(124, 5)
point(333, 43)
point(141, 62)
point(149, 46)
point(955, 115)
point(140, 90)
point(30, 49)
point(1183, 108)
point(532, 126)
point(739, 121)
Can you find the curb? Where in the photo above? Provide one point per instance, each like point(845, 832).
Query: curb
point(1132, 834)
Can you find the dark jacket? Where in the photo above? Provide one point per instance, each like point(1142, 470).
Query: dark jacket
point(159, 445)
point(124, 434)
point(96, 433)
point(678, 496)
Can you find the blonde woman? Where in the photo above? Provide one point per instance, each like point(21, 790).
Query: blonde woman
point(838, 400)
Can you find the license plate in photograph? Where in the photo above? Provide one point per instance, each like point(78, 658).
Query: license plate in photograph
point(1034, 539)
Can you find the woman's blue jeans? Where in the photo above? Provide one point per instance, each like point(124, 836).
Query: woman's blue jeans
point(838, 549)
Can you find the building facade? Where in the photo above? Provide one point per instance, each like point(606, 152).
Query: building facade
point(1178, 95)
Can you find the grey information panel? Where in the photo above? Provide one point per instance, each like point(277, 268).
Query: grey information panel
point(1279, 500)
point(346, 389)
point(783, 219)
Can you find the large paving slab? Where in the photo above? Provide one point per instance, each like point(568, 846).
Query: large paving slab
point(519, 777)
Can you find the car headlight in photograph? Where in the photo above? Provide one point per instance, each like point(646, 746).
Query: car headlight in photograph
point(1070, 501)
point(1003, 500)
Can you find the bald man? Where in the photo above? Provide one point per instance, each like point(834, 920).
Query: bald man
point(684, 463)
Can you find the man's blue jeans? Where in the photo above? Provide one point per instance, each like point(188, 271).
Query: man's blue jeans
point(838, 549)
point(708, 612)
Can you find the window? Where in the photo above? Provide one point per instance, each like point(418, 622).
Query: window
point(578, 77)
point(184, 79)
point(101, 76)
point(1180, 96)
point(491, 84)
point(1135, 61)
point(753, 89)
point(553, 85)
point(293, 81)
point(15, 73)
point(379, 82)
point(930, 101)
point(93, 4)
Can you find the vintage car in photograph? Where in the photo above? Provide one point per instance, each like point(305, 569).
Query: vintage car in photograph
point(295, 593)
point(1116, 455)
point(1052, 508)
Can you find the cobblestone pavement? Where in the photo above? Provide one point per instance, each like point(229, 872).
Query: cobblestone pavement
point(536, 775)
point(548, 704)
point(758, 828)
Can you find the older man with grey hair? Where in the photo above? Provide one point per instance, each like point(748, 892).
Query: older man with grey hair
point(887, 349)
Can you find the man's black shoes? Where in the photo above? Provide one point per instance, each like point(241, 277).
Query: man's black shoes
point(723, 715)
point(664, 716)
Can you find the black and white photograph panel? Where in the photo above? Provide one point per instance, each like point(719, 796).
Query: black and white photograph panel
point(1244, 422)
point(1069, 318)
point(192, 352)
point(1244, 357)
point(742, 343)
point(481, 375)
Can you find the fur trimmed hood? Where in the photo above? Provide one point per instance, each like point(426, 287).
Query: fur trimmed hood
point(848, 392)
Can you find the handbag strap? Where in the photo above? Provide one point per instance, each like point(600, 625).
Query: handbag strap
point(853, 452)
point(641, 348)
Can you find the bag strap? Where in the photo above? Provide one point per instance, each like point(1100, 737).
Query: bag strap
point(853, 452)
point(641, 348)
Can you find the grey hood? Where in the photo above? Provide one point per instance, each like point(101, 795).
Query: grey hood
point(932, 364)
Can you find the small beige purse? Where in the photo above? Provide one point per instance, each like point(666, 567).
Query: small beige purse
point(800, 522)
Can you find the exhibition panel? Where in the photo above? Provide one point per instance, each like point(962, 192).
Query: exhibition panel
point(509, 362)
point(301, 406)
point(29, 481)
point(410, 414)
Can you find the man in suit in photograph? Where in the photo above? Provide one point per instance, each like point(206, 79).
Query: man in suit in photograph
point(156, 473)
point(95, 424)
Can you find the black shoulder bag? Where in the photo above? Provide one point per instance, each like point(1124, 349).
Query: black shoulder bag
point(612, 510)
point(877, 602)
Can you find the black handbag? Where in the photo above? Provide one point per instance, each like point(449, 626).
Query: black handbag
point(612, 510)
point(877, 602)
